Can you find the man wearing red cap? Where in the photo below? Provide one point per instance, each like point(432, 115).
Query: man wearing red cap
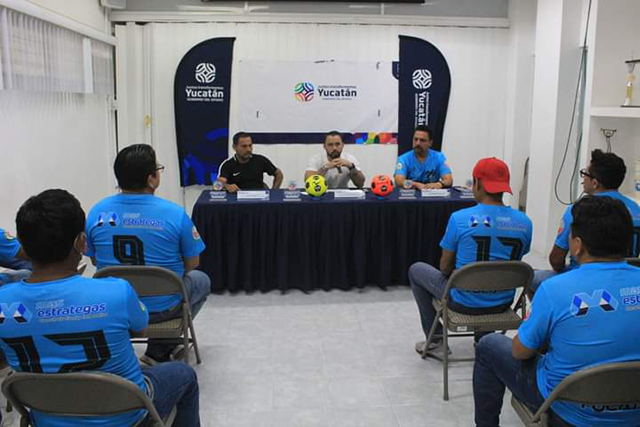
point(489, 231)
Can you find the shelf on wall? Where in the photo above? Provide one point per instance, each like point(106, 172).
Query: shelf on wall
point(623, 112)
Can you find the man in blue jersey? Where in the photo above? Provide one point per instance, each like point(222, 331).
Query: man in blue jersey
point(602, 177)
point(489, 231)
point(137, 228)
point(13, 264)
point(587, 317)
point(57, 321)
point(423, 167)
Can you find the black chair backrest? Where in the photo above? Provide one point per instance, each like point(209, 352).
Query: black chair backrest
point(608, 384)
point(76, 394)
point(146, 280)
point(487, 276)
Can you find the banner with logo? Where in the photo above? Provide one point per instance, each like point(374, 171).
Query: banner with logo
point(424, 88)
point(202, 90)
point(300, 101)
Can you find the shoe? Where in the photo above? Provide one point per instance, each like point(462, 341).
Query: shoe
point(421, 347)
point(177, 353)
point(150, 360)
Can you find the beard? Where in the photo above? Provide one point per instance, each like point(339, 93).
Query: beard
point(334, 155)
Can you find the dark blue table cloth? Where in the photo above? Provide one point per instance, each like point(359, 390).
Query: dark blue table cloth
point(319, 244)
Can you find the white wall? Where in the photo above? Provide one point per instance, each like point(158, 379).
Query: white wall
point(477, 57)
point(88, 12)
point(56, 140)
point(53, 141)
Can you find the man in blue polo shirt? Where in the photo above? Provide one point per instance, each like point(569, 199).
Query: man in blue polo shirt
point(489, 231)
point(587, 316)
point(423, 167)
point(137, 228)
point(57, 321)
point(602, 177)
point(13, 264)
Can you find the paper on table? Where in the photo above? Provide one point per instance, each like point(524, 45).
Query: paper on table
point(436, 192)
point(253, 195)
point(347, 194)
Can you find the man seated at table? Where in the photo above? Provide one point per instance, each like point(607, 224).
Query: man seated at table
point(245, 170)
point(56, 321)
point(336, 166)
point(137, 228)
point(424, 167)
point(489, 231)
point(13, 264)
point(586, 317)
point(603, 177)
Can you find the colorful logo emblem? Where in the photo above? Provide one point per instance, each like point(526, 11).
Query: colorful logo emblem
point(17, 311)
point(422, 79)
point(303, 92)
point(582, 302)
point(205, 72)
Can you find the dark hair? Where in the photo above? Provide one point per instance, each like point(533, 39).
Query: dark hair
point(48, 225)
point(239, 135)
point(424, 128)
point(604, 225)
point(332, 133)
point(133, 166)
point(608, 169)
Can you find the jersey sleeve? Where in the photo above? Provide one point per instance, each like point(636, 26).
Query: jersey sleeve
point(268, 166)
point(9, 246)
point(138, 314)
point(444, 166)
point(190, 242)
point(536, 329)
point(562, 239)
point(402, 168)
point(225, 170)
point(450, 239)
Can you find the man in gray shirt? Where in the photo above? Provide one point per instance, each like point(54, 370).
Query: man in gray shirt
point(338, 168)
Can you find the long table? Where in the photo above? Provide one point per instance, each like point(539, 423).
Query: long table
point(319, 244)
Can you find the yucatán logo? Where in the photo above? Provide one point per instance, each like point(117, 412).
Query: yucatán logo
point(205, 72)
point(583, 302)
point(422, 79)
point(16, 311)
point(303, 91)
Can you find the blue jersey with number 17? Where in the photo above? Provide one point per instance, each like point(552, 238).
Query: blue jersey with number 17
point(142, 229)
point(69, 325)
point(486, 233)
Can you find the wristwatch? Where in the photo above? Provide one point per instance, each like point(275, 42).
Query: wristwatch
point(442, 183)
point(352, 167)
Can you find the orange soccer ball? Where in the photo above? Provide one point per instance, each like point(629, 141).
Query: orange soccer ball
point(381, 185)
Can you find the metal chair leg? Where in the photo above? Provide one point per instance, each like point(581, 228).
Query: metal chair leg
point(196, 349)
point(432, 331)
point(445, 356)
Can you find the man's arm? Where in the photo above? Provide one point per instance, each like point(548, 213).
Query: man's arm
point(357, 177)
point(277, 179)
point(557, 258)
point(447, 262)
point(400, 180)
point(231, 188)
point(519, 351)
point(191, 263)
point(447, 181)
point(22, 254)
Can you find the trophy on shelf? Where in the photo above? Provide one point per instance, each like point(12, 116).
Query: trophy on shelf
point(631, 77)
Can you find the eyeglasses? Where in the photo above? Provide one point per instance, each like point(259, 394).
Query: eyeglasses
point(159, 168)
point(583, 173)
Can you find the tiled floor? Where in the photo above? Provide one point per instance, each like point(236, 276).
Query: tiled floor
point(326, 359)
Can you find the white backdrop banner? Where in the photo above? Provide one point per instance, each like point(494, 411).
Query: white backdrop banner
point(299, 101)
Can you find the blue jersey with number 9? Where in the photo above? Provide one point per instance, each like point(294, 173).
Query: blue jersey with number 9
point(70, 325)
point(486, 233)
point(142, 229)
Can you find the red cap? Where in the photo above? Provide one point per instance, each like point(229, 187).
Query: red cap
point(494, 174)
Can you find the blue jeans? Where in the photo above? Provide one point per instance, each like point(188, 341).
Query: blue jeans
point(427, 282)
point(540, 276)
point(175, 384)
point(496, 369)
point(198, 286)
point(10, 276)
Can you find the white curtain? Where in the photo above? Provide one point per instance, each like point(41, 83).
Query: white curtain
point(38, 56)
